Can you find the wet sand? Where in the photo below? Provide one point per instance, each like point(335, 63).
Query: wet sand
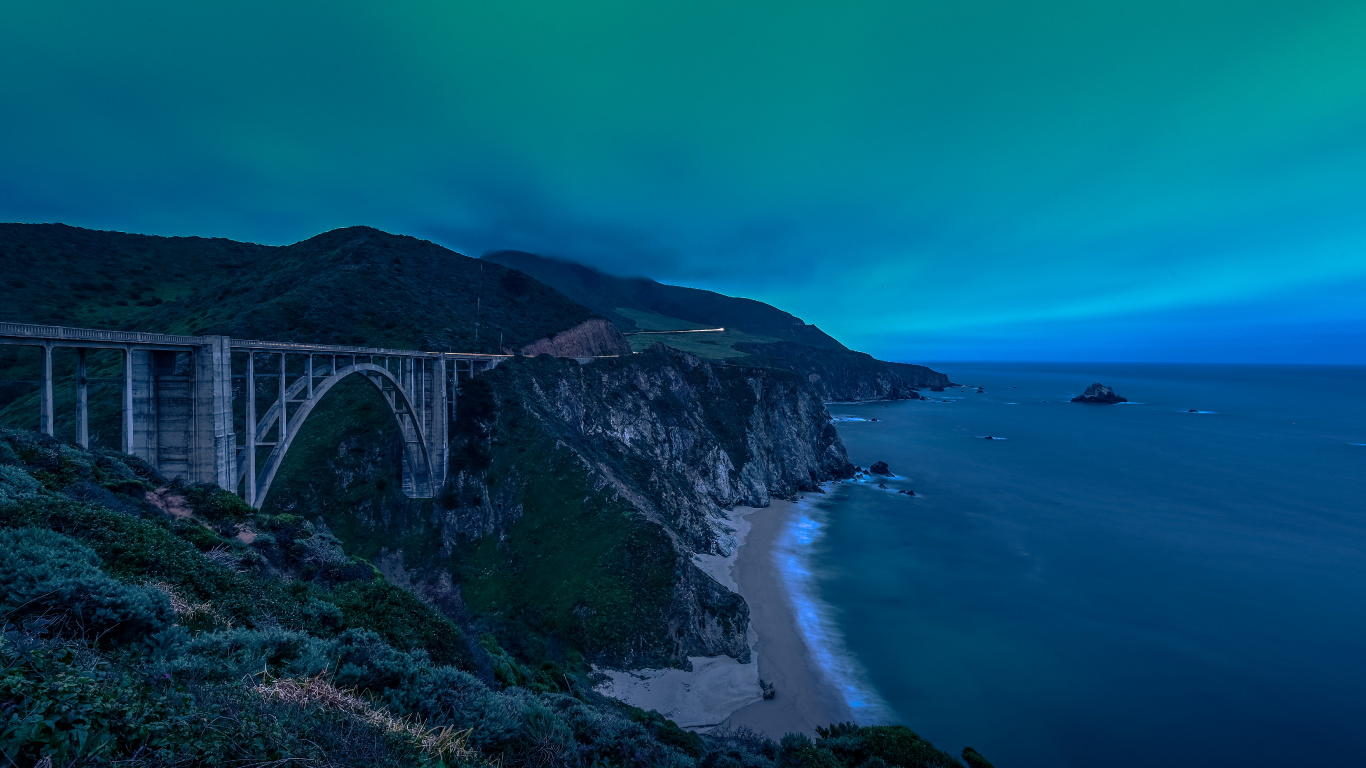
point(804, 699)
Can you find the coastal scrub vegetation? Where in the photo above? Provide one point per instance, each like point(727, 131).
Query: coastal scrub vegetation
point(135, 637)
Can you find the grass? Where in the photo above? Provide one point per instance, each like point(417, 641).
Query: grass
point(709, 346)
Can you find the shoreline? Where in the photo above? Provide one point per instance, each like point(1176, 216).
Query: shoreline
point(721, 692)
point(804, 697)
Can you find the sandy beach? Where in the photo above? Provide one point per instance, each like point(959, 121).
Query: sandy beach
point(804, 698)
point(720, 691)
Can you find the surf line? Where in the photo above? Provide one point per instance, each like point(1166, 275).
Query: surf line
point(792, 554)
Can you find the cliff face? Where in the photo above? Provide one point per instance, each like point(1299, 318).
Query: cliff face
point(578, 496)
point(848, 376)
point(636, 457)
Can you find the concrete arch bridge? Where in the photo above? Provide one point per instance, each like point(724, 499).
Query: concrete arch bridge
point(193, 406)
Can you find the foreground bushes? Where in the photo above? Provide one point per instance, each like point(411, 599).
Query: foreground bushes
point(133, 638)
point(46, 574)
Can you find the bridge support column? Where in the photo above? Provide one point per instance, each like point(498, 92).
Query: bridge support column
point(179, 411)
point(250, 454)
point(142, 406)
point(284, 409)
point(214, 457)
point(437, 422)
point(128, 400)
point(46, 420)
point(82, 401)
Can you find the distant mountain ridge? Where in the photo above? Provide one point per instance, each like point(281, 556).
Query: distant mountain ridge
point(756, 333)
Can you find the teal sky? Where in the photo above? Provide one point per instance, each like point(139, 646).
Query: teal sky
point(925, 180)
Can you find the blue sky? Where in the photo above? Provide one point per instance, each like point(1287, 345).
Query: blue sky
point(925, 180)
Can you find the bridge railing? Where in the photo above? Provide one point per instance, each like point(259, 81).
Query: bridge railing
point(50, 333)
point(58, 332)
point(334, 349)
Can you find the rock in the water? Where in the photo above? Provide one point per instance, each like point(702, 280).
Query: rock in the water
point(908, 492)
point(882, 486)
point(1099, 393)
point(880, 468)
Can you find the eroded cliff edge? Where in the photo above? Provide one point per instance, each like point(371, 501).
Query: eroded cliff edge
point(579, 493)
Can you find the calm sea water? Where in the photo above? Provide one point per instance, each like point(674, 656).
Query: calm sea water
point(1129, 585)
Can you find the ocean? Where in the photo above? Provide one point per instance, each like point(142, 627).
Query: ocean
point(1126, 585)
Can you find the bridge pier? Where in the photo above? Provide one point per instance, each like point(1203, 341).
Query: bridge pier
point(82, 401)
point(128, 400)
point(46, 419)
point(249, 453)
point(179, 409)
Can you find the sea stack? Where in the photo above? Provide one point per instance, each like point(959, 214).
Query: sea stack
point(880, 468)
point(1101, 394)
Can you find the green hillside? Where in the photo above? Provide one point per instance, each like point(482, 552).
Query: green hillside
point(622, 299)
point(755, 333)
point(357, 286)
point(349, 286)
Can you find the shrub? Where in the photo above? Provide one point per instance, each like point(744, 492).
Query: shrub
point(52, 708)
point(237, 653)
point(217, 505)
point(974, 759)
point(892, 744)
point(17, 485)
point(47, 574)
point(131, 548)
point(402, 619)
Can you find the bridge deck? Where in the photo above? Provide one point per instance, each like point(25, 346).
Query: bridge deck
point(93, 338)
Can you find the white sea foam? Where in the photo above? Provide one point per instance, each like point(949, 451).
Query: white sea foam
point(836, 418)
point(793, 555)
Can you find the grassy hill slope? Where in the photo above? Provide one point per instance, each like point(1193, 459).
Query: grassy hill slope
point(610, 295)
point(756, 333)
point(356, 285)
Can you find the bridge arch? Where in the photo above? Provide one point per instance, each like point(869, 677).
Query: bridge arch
point(181, 396)
point(419, 474)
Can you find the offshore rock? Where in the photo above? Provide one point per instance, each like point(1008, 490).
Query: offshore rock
point(880, 468)
point(1100, 394)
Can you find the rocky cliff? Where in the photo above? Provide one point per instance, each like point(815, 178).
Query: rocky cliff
point(842, 375)
point(578, 496)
